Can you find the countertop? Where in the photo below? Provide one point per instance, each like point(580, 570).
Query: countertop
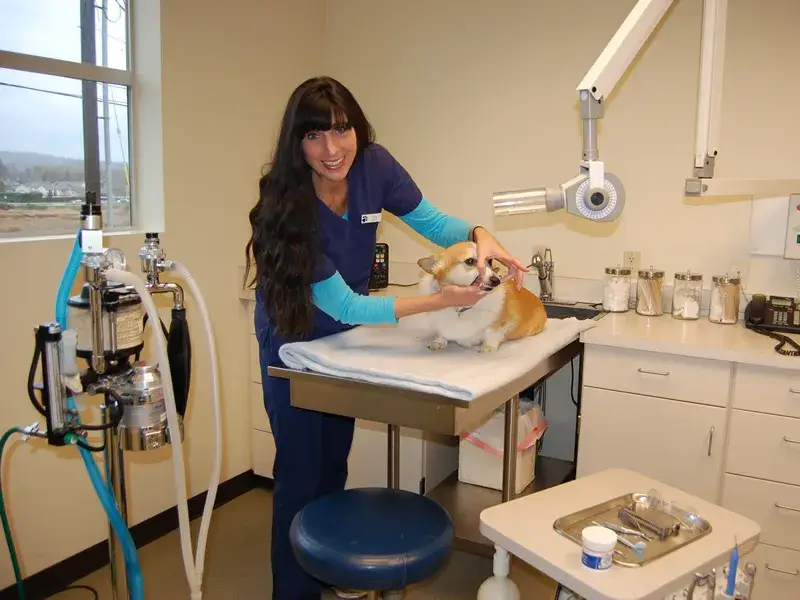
point(700, 339)
point(524, 527)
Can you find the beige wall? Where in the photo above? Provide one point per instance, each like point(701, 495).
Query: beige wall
point(227, 72)
point(475, 97)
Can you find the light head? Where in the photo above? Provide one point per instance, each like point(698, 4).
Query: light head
point(595, 203)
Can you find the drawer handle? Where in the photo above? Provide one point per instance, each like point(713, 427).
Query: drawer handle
point(782, 507)
point(793, 574)
point(710, 439)
point(791, 441)
point(659, 373)
point(794, 391)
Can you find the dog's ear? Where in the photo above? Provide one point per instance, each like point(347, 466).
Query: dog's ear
point(427, 263)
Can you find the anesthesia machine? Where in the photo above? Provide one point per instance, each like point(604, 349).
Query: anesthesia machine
point(143, 402)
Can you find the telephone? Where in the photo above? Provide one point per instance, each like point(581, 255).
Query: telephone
point(379, 277)
point(771, 315)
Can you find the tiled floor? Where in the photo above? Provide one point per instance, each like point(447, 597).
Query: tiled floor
point(237, 564)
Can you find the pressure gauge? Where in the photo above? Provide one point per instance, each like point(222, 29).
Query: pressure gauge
point(115, 258)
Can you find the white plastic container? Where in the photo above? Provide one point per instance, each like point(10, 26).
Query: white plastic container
point(480, 454)
point(499, 586)
point(598, 547)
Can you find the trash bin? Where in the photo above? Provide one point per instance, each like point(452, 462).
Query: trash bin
point(480, 455)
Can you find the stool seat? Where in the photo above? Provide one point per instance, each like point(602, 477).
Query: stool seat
point(372, 539)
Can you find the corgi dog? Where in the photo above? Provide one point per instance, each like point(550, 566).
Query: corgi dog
point(504, 313)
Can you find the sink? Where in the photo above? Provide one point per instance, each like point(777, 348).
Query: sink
point(579, 310)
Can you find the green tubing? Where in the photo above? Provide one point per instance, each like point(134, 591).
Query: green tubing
point(6, 528)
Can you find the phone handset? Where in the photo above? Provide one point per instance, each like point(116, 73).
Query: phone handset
point(760, 315)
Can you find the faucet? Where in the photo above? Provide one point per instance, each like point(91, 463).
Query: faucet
point(545, 265)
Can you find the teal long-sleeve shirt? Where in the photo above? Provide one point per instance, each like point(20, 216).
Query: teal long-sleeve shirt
point(333, 296)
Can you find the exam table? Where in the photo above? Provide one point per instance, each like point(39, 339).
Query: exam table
point(525, 528)
point(326, 383)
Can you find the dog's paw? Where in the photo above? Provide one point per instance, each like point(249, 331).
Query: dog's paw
point(437, 344)
point(487, 348)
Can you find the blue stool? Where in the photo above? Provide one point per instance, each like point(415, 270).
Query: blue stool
point(372, 539)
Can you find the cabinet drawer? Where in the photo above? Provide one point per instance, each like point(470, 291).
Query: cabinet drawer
point(774, 506)
point(777, 573)
point(679, 443)
point(654, 374)
point(258, 414)
point(761, 389)
point(255, 364)
point(765, 446)
point(263, 453)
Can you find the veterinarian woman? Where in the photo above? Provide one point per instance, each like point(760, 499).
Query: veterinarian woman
point(312, 246)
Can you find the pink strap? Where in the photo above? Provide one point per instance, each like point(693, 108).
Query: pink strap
point(530, 440)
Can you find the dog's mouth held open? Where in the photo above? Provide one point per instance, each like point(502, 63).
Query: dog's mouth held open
point(487, 285)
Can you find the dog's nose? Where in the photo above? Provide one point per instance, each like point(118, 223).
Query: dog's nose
point(494, 281)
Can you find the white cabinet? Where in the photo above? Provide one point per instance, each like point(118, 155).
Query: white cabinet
point(777, 573)
point(662, 415)
point(676, 442)
point(728, 433)
point(762, 479)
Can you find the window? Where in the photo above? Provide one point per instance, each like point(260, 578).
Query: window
point(66, 87)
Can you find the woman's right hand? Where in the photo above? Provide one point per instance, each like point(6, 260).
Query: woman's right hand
point(457, 296)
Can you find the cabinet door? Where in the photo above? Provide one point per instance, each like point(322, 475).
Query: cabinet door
point(777, 573)
point(676, 442)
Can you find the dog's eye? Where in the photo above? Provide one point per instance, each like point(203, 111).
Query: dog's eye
point(470, 262)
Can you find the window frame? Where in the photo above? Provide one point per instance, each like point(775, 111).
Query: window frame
point(143, 83)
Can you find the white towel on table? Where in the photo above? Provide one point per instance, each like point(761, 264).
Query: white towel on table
point(398, 356)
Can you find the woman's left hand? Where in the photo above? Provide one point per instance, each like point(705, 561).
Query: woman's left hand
point(489, 248)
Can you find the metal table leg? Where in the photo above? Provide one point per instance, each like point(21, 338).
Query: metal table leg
point(393, 457)
point(510, 449)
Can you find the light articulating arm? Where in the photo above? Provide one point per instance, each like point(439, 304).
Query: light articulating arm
point(598, 195)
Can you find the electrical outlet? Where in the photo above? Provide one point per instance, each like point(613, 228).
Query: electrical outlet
point(632, 259)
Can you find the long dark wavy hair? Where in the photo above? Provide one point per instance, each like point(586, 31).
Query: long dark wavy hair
point(284, 242)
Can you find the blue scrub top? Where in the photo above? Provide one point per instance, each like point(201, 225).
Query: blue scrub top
point(376, 182)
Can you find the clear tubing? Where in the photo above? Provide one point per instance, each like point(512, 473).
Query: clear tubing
point(216, 468)
point(179, 469)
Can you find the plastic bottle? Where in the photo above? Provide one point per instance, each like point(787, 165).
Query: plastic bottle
point(598, 547)
point(499, 586)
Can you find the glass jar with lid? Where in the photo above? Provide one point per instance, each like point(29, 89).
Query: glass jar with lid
point(648, 292)
point(687, 295)
point(725, 297)
point(617, 290)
